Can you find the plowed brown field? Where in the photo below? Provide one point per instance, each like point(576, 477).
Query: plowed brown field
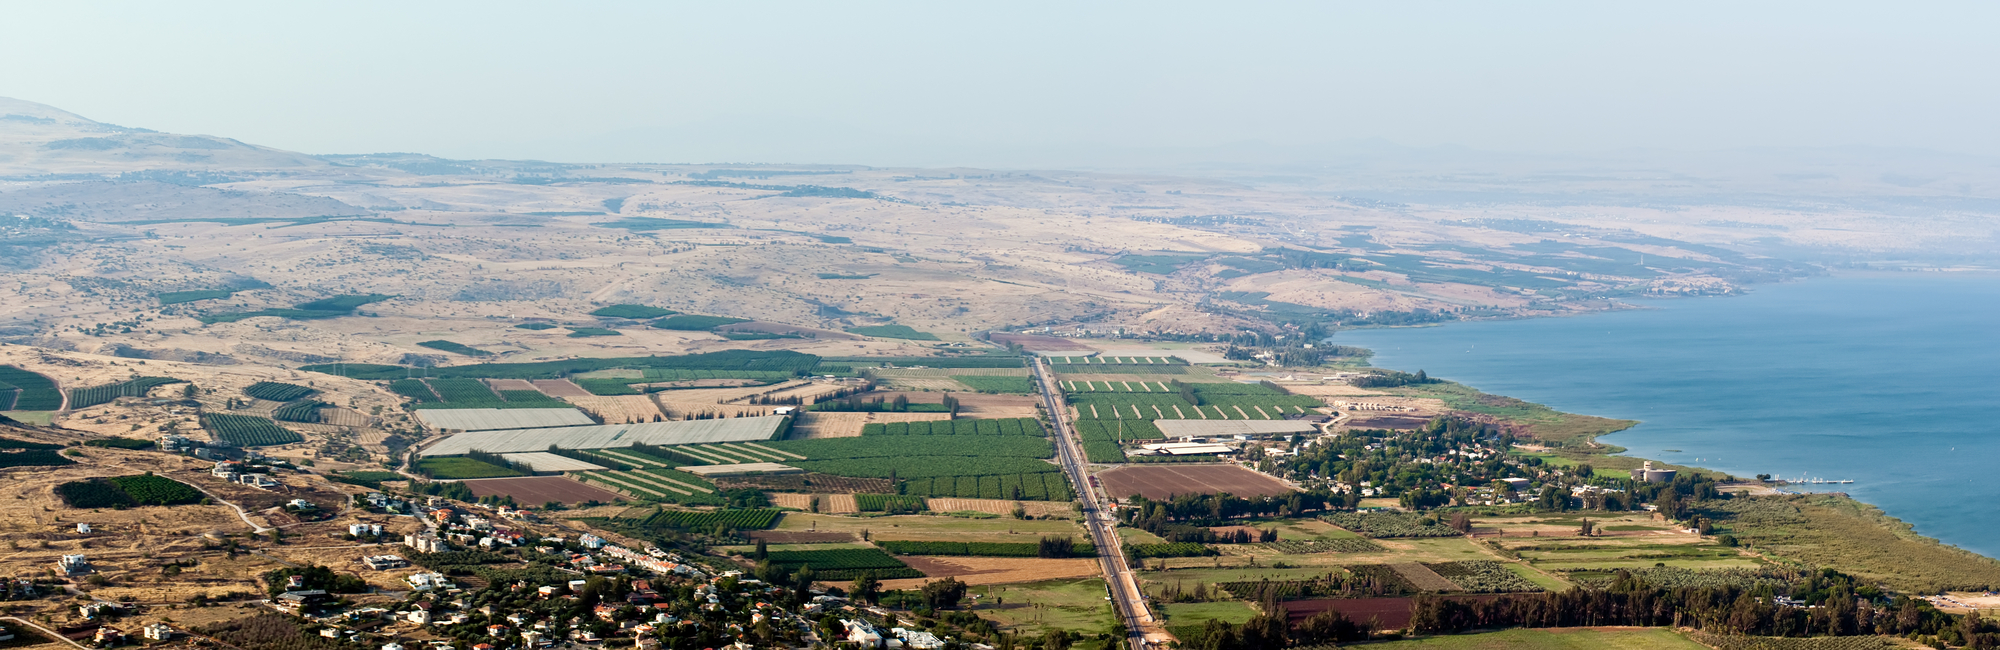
point(1162, 481)
point(992, 570)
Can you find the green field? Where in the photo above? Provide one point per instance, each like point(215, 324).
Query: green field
point(695, 322)
point(892, 332)
point(1228, 611)
point(935, 527)
point(632, 311)
point(462, 468)
point(455, 348)
point(584, 332)
point(1553, 639)
point(1074, 605)
point(991, 384)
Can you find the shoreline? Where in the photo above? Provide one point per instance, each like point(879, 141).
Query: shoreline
point(1579, 445)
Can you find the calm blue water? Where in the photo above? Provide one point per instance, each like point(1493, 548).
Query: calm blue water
point(1891, 380)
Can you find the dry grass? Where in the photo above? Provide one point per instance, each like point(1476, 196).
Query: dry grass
point(1002, 507)
point(618, 409)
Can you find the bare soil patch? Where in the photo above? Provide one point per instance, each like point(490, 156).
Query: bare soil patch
point(1160, 482)
point(560, 388)
point(511, 384)
point(992, 570)
point(536, 490)
point(1001, 507)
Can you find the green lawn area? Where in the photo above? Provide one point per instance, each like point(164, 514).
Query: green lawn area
point(1553, 639)
point(1077, 605)
point(1199, 613)
point(930, 527)
point(42, 418)
point(1540, 579)
point(462, 468)
point(1136, 536)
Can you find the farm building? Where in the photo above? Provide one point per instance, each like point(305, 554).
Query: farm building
point(460, 420)
point(1184, 429)
point(686, 432)
point(1188, 448)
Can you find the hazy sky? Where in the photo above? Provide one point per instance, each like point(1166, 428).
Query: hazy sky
point(1012, 83)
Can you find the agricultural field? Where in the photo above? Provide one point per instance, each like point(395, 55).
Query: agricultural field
point(990, 384)
point(537, 490)
point(1587, 554)
point(120, 491)
point(1391, 524)
point(95, 395)
point(452, 468)
point(987, 427)
point(1161, 482)
point(749, 519)
point(307, 411)
point(1029, 608)
point(837, 564)
point(247, 431)
point(469, 394)
point(1183, 401)
point(695, 322)
point(454, 348)
point(935, 527)
point(635, 312)
point(587, 332)
point(277, 392)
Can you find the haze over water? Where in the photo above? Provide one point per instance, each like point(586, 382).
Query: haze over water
point(1890, 380)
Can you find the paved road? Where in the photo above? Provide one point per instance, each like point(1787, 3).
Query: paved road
point(1125, 594)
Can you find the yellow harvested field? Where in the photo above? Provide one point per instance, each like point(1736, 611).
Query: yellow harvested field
point(838, 504)
point(848, 425)
point(618, 409)
point(791, 500)
point(1002, 507)
point(993, 570)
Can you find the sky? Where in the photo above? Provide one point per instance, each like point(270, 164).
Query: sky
point(1014, 83)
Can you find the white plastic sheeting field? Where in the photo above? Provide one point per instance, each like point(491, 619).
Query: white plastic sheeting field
point(688, 432)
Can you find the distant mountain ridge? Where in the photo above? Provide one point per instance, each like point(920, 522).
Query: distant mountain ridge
point(39, 139)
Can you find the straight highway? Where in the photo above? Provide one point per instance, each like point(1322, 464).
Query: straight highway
point(1141, 628)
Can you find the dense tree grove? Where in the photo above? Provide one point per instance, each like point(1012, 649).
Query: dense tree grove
point(1835, 605)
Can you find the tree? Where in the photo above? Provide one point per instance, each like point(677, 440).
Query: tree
point(866, 588)
point(1588, 528)
point(1054, 639)
point(761, 552)
point(944, 594)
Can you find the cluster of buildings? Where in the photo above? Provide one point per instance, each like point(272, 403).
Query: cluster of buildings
point(867, 637)
point(235, 472)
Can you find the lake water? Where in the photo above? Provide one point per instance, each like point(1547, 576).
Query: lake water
point(1890, 380)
